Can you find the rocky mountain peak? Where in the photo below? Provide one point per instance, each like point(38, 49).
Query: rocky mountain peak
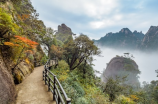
point(109, 34)
point(141, 32)
point(150, 40)
point(139, 35)
point(152, 30)
point(135, 31)
point(63, 29)
point(125, 31)
point(64, 32)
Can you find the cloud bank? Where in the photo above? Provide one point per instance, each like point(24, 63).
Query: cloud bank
point(147, 62)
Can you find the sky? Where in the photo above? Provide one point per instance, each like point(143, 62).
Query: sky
point(96, 18)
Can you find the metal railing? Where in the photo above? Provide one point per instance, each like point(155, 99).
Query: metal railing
point(54, 85)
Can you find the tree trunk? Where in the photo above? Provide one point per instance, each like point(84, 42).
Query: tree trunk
point(80, 61)
point(84, 70)
point(48, 51)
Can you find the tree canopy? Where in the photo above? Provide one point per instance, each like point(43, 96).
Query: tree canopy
point(76, 51)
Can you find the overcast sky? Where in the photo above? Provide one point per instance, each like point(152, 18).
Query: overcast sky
point(95, 18)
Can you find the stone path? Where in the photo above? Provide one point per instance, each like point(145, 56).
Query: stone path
point(33, 90)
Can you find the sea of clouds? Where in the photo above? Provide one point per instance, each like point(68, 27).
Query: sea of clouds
point(147, 62)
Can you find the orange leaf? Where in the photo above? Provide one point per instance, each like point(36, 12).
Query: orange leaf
point(9, 44)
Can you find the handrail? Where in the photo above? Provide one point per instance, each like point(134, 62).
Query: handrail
point(53, 83)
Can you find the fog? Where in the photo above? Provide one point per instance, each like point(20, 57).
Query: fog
point(147, 62)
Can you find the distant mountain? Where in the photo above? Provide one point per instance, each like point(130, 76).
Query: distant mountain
point(122, 39)
point(150, 41)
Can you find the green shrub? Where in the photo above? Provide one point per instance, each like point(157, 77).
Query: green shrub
point(124, 100)
point(81, 100)
point(60, 43)
point(70, 91)
point(31, 58)
point(6, 23)
point(44, 59)
point(79, 89)
point(62, 65)
point(73, 89)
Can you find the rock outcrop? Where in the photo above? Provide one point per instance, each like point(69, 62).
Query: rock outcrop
point(7, 87)
point(63, 33)
point(139, 35)
point(122, 39)
point(121, 66)
point(63, 29)
point(21, 71)
point(150, 41)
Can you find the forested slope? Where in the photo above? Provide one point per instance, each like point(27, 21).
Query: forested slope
point(19, 45)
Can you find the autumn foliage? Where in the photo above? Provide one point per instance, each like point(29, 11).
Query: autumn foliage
point(23, 17)
point(134, 97)
point(22, 41)
point(21, 47)
point(56, 51)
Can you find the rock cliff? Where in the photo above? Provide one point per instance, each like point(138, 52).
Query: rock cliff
point(63, 33)
point(7, 87)
point(150, 41)
point(121, 66)
point(63, 29)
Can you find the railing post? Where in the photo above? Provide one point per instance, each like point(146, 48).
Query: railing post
point(48, 84)
point(54, 89)
point(45, 75)
point(58, 99)
point(68, 101)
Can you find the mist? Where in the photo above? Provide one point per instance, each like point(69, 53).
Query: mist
point(147, 62)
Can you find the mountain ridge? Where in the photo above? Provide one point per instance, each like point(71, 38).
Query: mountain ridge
point(125, 38)
point(122, 39)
